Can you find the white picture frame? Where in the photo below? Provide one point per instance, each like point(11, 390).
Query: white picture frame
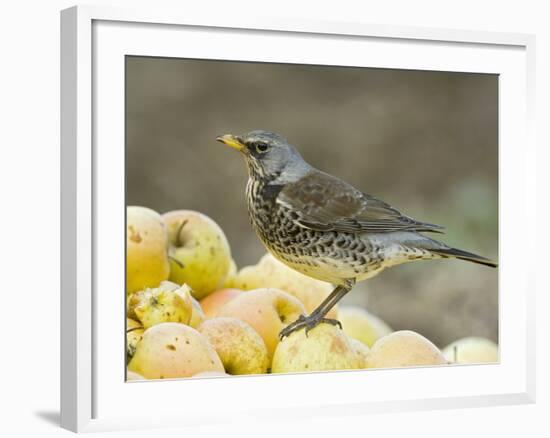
point(94, 41)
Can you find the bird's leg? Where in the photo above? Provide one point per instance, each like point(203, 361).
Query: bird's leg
point(335, 296)
point(318, 315)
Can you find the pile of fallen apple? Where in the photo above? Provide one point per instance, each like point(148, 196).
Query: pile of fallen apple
point(191, 313)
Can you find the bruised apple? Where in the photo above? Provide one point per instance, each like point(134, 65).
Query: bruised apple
point(172, 350)
point(240, 348)
point(167, 303)
point(324, 348)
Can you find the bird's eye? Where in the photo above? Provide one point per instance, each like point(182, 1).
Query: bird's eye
point(261, 147)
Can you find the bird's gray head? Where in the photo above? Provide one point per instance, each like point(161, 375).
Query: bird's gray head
point(268, 156)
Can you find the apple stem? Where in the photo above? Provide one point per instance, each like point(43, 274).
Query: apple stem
point(133, 328)
point(177, 262)
point(455, 351)
point(178, 233)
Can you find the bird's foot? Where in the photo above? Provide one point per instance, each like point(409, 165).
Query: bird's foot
point(307, 322)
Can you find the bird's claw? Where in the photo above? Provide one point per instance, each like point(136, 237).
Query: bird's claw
point(307, 322)
point(292, 327)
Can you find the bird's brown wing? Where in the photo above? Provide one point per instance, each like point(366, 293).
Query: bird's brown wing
point(322, 202)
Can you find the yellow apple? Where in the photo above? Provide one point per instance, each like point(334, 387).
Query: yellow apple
point(134, 299)
point(130, 375)
point(240, 348)
point(268, 311)
point(204, 374)
point(324, 348)
point(270, 272)
point(403, 349)
point(361, 350)
point(472, 349)
point(146, 249)
point(134, 333)
point(216, 300)
point(199, 251)
point(197, 316)
point(172, 350)
point(231, 274)
point(362, 325)
point(167, 303)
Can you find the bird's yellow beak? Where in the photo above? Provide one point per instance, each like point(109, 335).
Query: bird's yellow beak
point(231, 141)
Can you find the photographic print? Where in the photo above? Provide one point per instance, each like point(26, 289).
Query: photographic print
point(287, 218)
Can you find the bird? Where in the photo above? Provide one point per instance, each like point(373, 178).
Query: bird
point(325, 228)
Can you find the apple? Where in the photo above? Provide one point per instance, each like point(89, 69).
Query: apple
point(268, 311)
point(231, 274)
point(204, 374)
point(172, 350)
point(167, 303)
point(324, 348)
point(362, 325)
point(270, 272)
point(216, 300)
point(134, 333)
point(473, 349)
point(199, 251)
point(135, 298)
point(197, 315)
point(361, 350)
point(130, 375)
point(146, 249)
point(403, 348)
point(240, 348)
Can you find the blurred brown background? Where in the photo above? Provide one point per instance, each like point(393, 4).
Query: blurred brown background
point(426, 142)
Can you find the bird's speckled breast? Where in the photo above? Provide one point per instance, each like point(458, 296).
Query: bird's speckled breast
point(326, 255)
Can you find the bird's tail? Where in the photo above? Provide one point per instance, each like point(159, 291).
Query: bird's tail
point(464, 255)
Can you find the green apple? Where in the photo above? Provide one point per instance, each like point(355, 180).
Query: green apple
point(199, 252)
point(473, 349)
point(240, 347)
point(362, 325)
point(324, 348)
point(146, 249)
